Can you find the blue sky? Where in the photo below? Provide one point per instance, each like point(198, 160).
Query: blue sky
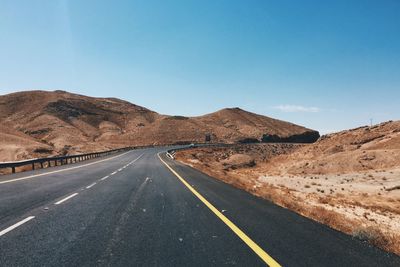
point(328, 65)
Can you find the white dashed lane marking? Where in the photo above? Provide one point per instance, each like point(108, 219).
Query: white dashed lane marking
point(62, 170)
point(12, 227)
point(89, 186)
point(106, 177)
point(65, 199)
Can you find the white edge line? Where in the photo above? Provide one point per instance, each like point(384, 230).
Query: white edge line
point(12, 227)
point(65, 199)
point(89, 186)
point(68, 169)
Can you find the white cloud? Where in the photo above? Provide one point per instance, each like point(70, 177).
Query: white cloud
point(328, 131)
point(296, 108)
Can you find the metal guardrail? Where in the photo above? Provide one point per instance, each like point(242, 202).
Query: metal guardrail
point(171, 152)
point(60, 160)
point(63, 160)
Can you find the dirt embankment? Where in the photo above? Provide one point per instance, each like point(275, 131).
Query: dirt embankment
point(348, 180)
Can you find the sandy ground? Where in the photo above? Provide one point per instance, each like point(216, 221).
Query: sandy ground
point(361, 201)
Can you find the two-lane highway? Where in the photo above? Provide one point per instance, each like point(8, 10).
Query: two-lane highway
point(139, 209)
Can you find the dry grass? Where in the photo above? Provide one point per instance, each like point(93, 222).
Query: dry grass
point(385, 240)
point(320, 212)
point(375, 236)
point(362, 164)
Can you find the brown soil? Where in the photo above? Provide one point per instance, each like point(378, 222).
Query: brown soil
point(348, 180)
point(61, 122)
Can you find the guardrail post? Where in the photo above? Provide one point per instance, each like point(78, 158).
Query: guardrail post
point(62, 160)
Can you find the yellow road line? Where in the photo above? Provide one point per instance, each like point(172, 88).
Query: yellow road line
point(256, 248)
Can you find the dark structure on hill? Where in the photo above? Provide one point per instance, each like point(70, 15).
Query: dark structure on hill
point(306, 137)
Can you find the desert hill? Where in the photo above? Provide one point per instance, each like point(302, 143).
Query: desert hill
point(348, 180)
point(41, 123)
point(361, 149)
point(357, 150)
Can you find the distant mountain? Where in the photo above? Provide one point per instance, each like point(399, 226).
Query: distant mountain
point(41, 123)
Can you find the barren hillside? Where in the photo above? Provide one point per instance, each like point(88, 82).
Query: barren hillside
point(41, 123)
point(362, 149)
point(347, 180)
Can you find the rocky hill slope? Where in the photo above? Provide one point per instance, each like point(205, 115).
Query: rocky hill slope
point(41, 123)
point(362, 149)
point(348, 180)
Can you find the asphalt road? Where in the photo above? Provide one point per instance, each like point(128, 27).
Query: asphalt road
point(132, 210)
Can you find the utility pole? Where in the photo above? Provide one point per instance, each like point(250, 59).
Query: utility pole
point(371, 121)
